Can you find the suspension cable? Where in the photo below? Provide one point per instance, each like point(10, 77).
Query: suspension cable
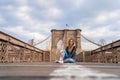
point(40, 42)
point(90, 41)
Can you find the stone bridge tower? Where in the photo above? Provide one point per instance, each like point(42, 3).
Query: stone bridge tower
point(64, 36)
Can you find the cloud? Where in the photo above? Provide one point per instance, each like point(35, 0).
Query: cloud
point(106, 16)
point(2, 20)
point(102, 25)
point(8, 7)
point(31, 23)
point(52, 13)
point(96, 33)
point(77, 3)
point(46, 3)
point(29, 27)
point(101, 32)
point(49, 9)
point(101, 18)
point(20, 31)
point(22, 13)
point(22, 2)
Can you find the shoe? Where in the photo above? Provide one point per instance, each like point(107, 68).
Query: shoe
point(56, 61)
point(59, 61)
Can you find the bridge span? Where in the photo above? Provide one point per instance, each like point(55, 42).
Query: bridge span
point(15, 50)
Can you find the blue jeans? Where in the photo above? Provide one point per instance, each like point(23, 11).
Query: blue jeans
point(66, 57)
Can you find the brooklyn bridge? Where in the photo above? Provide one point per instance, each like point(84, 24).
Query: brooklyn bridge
point(22, 61)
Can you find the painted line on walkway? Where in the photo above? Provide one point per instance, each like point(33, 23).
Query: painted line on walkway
point(79, 72)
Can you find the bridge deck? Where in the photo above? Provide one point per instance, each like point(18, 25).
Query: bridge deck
point(56, 71)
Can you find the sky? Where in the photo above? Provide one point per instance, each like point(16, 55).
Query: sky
point(34, 19)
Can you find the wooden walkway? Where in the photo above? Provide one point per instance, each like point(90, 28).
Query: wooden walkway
point(56, 71)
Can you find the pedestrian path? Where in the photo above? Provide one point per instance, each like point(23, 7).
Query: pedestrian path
point(56, 71)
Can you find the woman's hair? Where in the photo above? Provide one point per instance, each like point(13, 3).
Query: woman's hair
point(70, 40)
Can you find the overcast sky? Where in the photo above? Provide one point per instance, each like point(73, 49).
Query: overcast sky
point(27, 19)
